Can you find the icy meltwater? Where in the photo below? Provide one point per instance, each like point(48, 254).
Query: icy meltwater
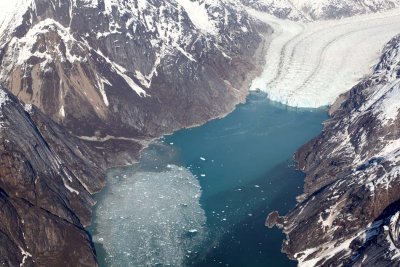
point(200, 196)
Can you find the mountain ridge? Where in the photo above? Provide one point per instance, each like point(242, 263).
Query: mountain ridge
point(312, 10)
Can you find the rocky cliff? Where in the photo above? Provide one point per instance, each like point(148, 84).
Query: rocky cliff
point(47, 179)
point(349, 212)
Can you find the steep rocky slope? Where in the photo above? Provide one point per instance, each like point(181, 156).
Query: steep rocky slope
point(124, 69)
point(47, 178)
point(349, 213)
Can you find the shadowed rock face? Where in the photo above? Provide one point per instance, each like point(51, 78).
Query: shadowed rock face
point(349, 212)
point(47, 178)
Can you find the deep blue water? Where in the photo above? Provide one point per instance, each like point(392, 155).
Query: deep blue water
point(243, 164)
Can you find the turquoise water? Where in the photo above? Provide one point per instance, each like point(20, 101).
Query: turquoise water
point(200, 196)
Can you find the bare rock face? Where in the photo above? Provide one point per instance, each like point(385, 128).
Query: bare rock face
point(349, 212)
point(47, 179)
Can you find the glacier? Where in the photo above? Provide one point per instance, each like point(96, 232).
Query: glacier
point(309, 64)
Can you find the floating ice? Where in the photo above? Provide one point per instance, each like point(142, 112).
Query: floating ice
point(151, 218)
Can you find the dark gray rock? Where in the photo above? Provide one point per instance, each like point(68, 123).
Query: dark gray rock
point(46, 186)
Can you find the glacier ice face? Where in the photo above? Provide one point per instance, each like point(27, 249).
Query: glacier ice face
point(311, 64)
point(150, 218)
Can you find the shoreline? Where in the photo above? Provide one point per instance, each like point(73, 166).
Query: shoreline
point(244, 92)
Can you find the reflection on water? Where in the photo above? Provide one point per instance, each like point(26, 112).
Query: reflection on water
point(156, 214)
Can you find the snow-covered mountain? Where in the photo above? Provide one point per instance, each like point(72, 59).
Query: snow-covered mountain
point(349, 213)
point(320, 9)
point(130, 68)
point(117, 69)
point(114, 73)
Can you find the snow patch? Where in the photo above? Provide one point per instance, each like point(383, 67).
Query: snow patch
point(3, 97)
point(198, 14)
point(25, 255)
point(121, 71)
point(62, 111)
point(70, 189)
point(11, 13)
point(28, 108)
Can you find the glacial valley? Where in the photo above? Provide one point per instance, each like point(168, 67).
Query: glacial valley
point(157, 93)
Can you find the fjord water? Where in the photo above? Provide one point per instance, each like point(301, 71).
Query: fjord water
point(200, 197)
